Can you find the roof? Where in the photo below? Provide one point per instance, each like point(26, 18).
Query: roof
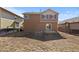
point(71, 20)
point(11, 12)
point(39, 12)
point(50, 10)
point(32, 13)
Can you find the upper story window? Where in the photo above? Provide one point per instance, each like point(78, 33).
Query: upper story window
point(15, 17)
point(26, 16)
point(55, 16)
point(48, 16)
point(16, 24)
point(43, 16)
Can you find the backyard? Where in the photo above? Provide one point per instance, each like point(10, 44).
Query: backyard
point(69, 43)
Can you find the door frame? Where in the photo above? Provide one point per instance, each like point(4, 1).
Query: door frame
point(48, 24)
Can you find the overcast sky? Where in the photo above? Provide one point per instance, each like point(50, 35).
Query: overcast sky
point(64, 12)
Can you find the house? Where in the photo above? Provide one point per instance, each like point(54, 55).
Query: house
point(46, 21)
point(70, 25)
point(9, 19)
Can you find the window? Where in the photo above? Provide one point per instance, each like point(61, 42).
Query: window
point(47, 16)
point(15, 17)
point(16, 24)
point(55, 16)
point(43, 16)
point(50, 16)
point(26, 16)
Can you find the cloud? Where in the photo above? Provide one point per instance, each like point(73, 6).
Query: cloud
point(64, 16)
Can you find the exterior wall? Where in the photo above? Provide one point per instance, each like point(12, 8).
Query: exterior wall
point(50, 12)
point(34, 23)
point(43, 24)
point(8, 19)
point(71, 28)
point(0, 13)
point(21, 24)
point(74, 26)
point(0, 18)
point(0, 22)
point(7, 15)
point(61, 27)
point(7, 23)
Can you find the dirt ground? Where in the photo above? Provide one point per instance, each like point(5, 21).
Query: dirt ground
point(69, 43)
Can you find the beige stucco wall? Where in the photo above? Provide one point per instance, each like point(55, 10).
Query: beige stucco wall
point(5, 14)
point(7, 19)
point(7, 23)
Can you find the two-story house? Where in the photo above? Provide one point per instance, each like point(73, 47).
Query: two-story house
point(41, 21)
point(9, 19)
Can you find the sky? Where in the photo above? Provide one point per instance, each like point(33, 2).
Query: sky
point(64, 12)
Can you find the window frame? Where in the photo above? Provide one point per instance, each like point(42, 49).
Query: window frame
point(16, 24)
point(26, 17)
point(47, 16)
point(47, 26)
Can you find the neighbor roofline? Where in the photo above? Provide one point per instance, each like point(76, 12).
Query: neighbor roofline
point(11, 12)
point(31, 13)
point(39, 12)
point(70, 20)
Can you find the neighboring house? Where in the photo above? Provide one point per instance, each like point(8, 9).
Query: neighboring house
point(41, 21)
point(70, 25)
point(9, 19)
